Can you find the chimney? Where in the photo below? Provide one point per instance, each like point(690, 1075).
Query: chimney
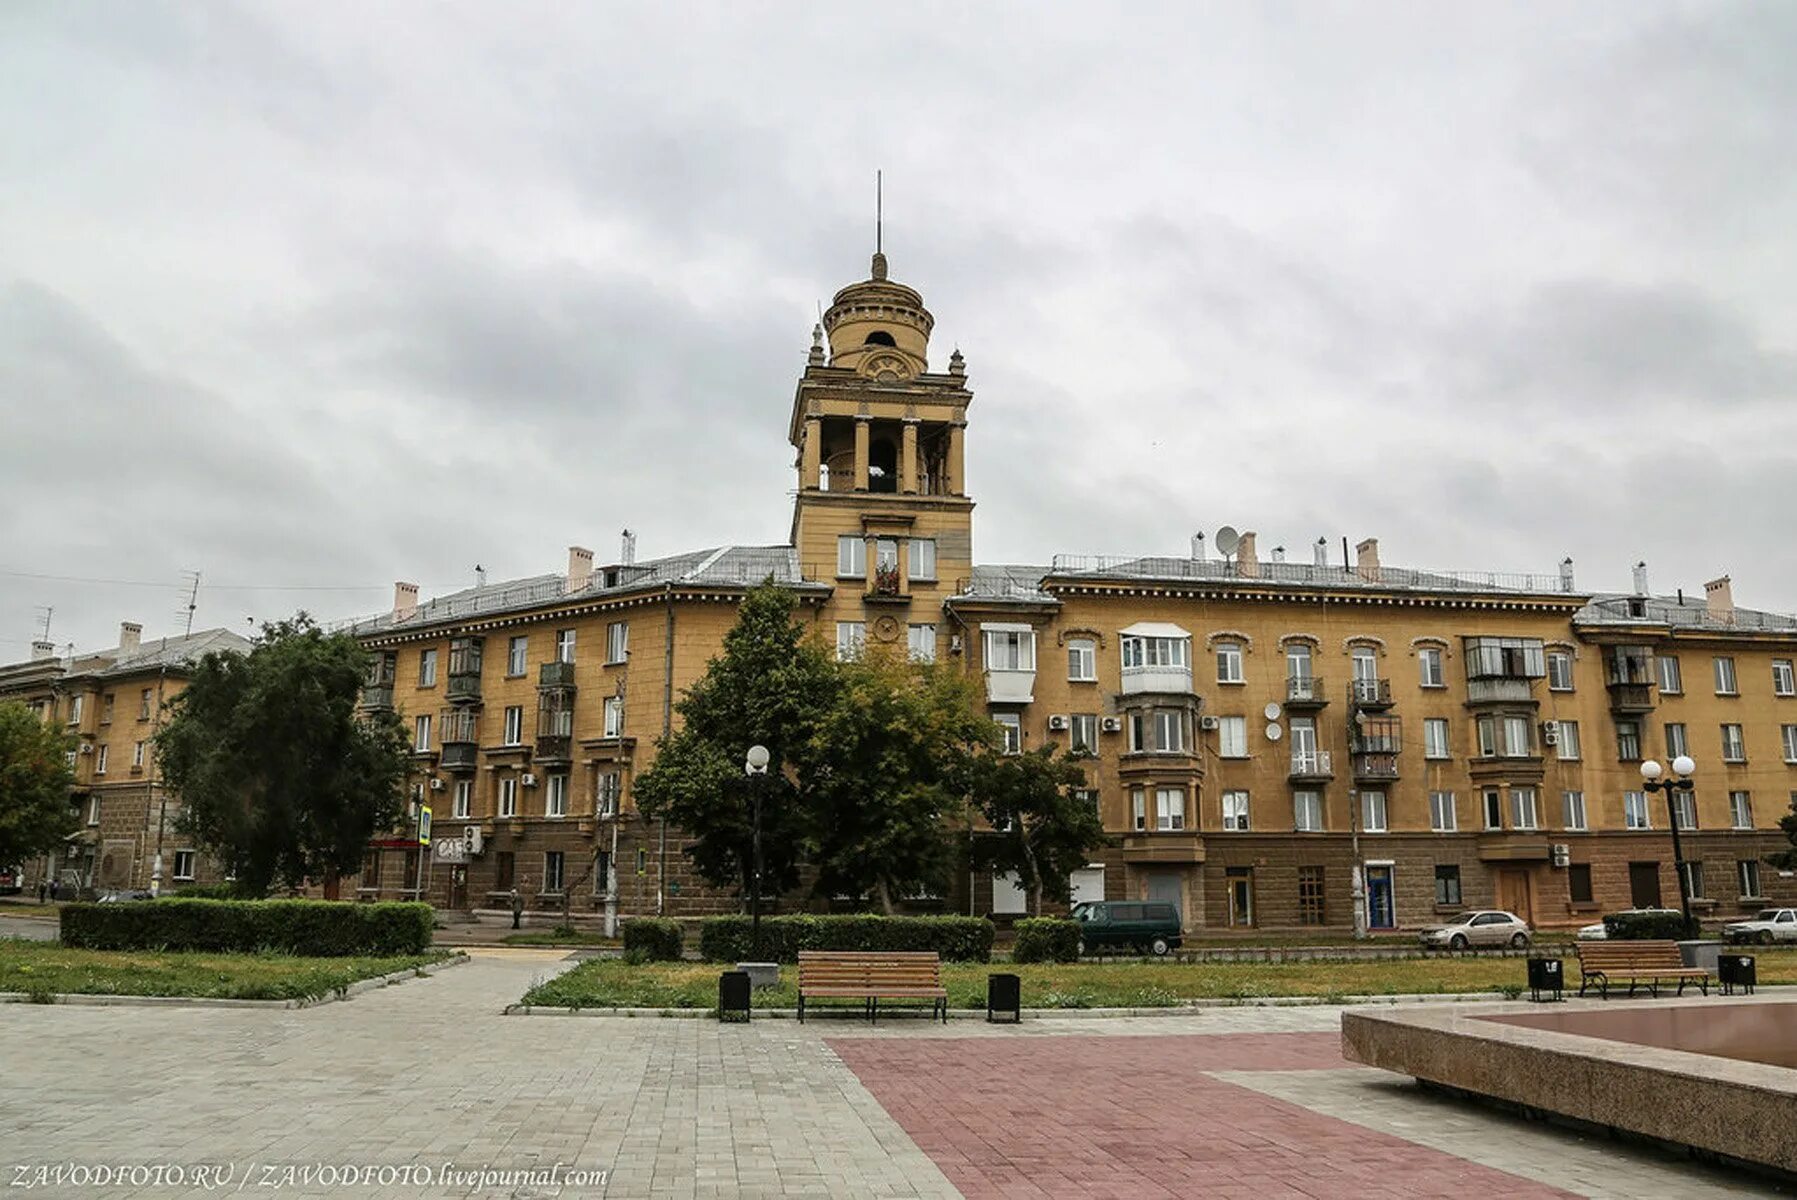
point(1197, 547)
point(1566, 574)
point(131, 636)
point(1366, 556)
point(405, 601)
point(1246, 564)
point(1279, 554)
point(1641, 579)
point(1321, 552)
point(629, 556)
point(41, 651)
point(1719, 599)
point(580, 569)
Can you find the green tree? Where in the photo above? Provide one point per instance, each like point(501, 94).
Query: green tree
point(770, 686)
point(35, 812)
point(885, 770)
point(278, 774)
point(1041, 829)
point(1786, 860)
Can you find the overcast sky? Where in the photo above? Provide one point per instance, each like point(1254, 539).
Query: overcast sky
point(333, 294)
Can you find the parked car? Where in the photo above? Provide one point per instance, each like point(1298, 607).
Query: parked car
point(1142, 925)
point(124, 895)
point(1488, 927)
point(1766, 926)
point(12, 880)
point(1599, 933)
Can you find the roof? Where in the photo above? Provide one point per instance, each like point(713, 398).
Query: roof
point(1677, 612)
point(151, 655)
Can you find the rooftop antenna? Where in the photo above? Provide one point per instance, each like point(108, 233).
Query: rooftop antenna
point(193, 599)
point(879, 210)
point(48, 611)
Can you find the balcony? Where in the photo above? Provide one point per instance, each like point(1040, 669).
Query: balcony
point(1374, 766)
point(1514, 846)
point(1499, 690)
point(887, 586)
point(553, 749)
point(378, 697)
point(556, 675)
point(459, 756)
point(1174, 846)
point(464, 688)
point(1631, 697)
point(1518, 768)
point(1313, 766)
point(460, 737)
point(1157, 679)
point(1304, 693)
point(1374, 695)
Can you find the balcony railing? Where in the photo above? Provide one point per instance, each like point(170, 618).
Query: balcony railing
point(554, 748)
point(378, 696)
point(1305, 691)
point(1370, 693)
point(1631, 697)
point(459, 756)
point(1312, 765)
point(556, 675)
point(886, 582)
point(1375, 766)
point(1499, 691)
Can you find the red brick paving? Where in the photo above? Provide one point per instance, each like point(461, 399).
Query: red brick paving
point(1133, 1117)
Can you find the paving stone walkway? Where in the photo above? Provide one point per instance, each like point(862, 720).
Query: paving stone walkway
point(1230, 1101)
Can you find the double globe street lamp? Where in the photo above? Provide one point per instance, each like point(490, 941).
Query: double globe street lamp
point(755, 767)
point(1683, 767)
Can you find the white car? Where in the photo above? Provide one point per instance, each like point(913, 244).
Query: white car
point(1766, 926)
point(1597, 932)
point(1486, 928)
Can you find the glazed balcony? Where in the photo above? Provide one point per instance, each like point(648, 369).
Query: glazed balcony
point(1304, 693)
point(1311, 766)
point(464, 688)
point(553, 749)
point(378, 697)
point(1499, 690)
point(460, 740)
point(1372, 695)
point(556, 675)
point(1631, 697)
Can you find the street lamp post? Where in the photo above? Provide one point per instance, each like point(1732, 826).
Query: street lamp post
point(1682, 767)
point(755, 767)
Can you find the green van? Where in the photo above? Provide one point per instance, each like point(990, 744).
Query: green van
point(1141, 925)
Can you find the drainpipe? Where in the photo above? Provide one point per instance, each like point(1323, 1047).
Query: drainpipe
point(1358, 875)
point(150, 785)
point(667, 731)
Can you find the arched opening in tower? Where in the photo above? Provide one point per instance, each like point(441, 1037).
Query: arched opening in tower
point(879, 337)
point(882, 465)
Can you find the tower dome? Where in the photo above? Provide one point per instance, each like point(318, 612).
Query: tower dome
point(879, 328)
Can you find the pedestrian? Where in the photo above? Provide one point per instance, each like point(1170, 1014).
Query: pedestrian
point(517, 907)
point(42, 890)
point(53, 891)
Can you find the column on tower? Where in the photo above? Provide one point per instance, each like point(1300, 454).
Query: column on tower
point(861, 450)
point(908, 458)
point(811, 456)
point(956, 440)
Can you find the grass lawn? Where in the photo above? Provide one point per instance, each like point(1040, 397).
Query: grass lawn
point(613, 983)
point(14, 908)
point(44, 968)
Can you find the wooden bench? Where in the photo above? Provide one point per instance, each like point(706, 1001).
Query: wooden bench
point(1636, 963)
point(871, 977)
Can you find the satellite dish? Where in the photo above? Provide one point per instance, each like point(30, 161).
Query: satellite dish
point(1274, 733)
point(1228, 539)
point(1272, 710)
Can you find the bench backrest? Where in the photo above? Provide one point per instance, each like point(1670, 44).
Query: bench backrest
point(1629, 955)
point(857, 968)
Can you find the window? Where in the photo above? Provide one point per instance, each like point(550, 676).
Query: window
point(1693, 872)
point(886, 572)
point(1628, 741)
point(1170, 653)
point(1784, 681)
point(1634, 811)
point(1747, 876)
point(1372, 812)
point(1435, 737)
point(1365, 662)
point(613, 717)
point(517, 655)
point(556, 803)
point(1010, 650)
point(920, 643)
point(421, 728)
point(1307, 811)
point(514, 725)
point(1428, 662)
point(1138, 807)
point(1232, 737)
point(564, 645)
point(1725, 675)
point(1310, 895)
point(1169, 731)
point(1671, 682)
point(1447, 885)
point(1734, 748)
point(184, 864)
point(1578, 883)
point(1443, 818)
point(1235, 811)
point(617, 642)
point(508, 796)
point(923, 558)
point(1082, 733)
point(1011, 727)
point(552, 871)
point(1298, 667)
point(1229, 662)
point(106, 708)
point(427, 668)
point(1523, 809)
point(74, 710)
point(1494, 808)
point(464, 796)
point(1572, 811)
point(137, 754)
point(851, 557)
point(1559, 671)
point(851, 639)
point(1519, 737)
point(1676, 744)
point(1082, 660)
point(607, 790)
point(1488, 737)
point(144, 703)
point(1740, 810)
point(100, 760)
point(504, 871)
point(1789, 735)
point(93, 810)
point(1568, 743)
point(1170, 808)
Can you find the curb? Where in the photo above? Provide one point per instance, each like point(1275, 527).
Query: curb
point(88, 1000)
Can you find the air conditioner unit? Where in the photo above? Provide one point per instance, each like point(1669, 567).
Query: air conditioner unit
point(528, 780)
point(1057, 721)
point(1208, 722)
point(436, 785)
point(1562, 854)
point(1550, 733)
point(1112, 724)
point(471, 839)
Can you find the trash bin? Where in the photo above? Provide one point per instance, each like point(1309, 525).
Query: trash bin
point(1546, 975)
point(1004, 994)
point(733, 995)
point(1736, 970)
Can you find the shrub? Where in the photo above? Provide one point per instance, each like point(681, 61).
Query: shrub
point(1046, 939)
point(1649, 926)
point(653, 939)
point(956, 939)
point(324, 928)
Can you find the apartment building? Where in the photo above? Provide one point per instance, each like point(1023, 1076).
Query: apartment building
point(114, 701)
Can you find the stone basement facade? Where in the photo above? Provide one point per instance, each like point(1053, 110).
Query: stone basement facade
point(114, 701)
point(1259, 732)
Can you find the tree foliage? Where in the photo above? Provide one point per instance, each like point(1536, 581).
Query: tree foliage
point(35, 811)
point(1041, 829)
point(278, 774)
point(1786, 860)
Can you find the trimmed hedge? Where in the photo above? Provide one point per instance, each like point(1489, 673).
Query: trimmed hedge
point(320, 928)
point(1650, 926)
point(1046, 939)
point(653, 939)
point(956, 939)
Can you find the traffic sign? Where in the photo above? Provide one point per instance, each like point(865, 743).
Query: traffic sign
point(424, 824)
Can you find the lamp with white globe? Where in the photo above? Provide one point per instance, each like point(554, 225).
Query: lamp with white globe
point(1652, 775)
point(755, 767)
